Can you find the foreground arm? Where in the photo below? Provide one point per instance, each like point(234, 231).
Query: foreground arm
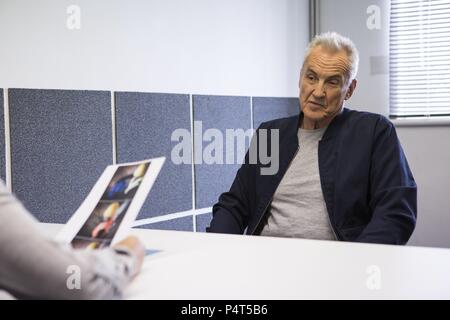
point(32, 266)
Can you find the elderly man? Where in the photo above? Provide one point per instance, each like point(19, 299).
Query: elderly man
point(342, 175)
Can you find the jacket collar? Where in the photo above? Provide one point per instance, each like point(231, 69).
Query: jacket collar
point(332, 130)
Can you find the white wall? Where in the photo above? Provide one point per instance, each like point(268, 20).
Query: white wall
point(428, 152)
point(426, 147)
point(233, 47)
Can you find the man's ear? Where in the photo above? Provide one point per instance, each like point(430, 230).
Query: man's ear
point(351, 89)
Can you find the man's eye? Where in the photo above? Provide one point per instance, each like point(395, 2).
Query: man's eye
point(310, 77)
point(334, 82)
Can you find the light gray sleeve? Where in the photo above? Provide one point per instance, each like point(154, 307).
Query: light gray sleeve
point(32, 266)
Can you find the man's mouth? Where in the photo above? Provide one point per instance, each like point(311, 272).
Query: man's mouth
point(316, 103)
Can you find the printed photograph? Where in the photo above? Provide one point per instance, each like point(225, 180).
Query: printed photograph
point(125, 182)
point(100, 228)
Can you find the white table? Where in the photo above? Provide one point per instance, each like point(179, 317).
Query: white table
point(216, 266)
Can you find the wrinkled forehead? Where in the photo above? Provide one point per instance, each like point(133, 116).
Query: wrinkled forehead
point(327, 63)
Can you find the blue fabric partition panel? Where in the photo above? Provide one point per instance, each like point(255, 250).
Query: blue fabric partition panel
point(265, 109)
point(2, 138)
point(202, 221)
point(61, 141)
point(145, 124)
point(178, 224)
point(213, 115)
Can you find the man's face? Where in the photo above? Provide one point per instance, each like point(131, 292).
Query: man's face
point(324, 85)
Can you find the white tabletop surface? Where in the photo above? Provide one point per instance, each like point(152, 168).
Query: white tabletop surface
point(215, 266)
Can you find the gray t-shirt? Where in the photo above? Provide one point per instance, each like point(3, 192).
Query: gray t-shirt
point(298, 208)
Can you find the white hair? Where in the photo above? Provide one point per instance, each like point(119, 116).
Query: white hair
point(335, 42)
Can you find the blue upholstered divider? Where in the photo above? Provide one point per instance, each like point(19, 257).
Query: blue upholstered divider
point(145, 123)
point(61, 140)
point(217, 112)
point(265, 109)
point(179, 224)
point(202, 221)
point(60, 144)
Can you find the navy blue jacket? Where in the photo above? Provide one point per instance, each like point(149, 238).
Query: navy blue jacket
point(369, 190)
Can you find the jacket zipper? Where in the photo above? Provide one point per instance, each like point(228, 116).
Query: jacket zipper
point(331, 225)
point(271, 198)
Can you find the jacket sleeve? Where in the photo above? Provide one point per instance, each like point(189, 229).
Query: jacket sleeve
point(393, 191)
point(231, 212)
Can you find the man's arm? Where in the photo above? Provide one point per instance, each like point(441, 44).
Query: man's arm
point(393, 191)
point(230, 213)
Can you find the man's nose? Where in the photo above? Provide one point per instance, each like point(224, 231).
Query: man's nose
point(319, 91)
